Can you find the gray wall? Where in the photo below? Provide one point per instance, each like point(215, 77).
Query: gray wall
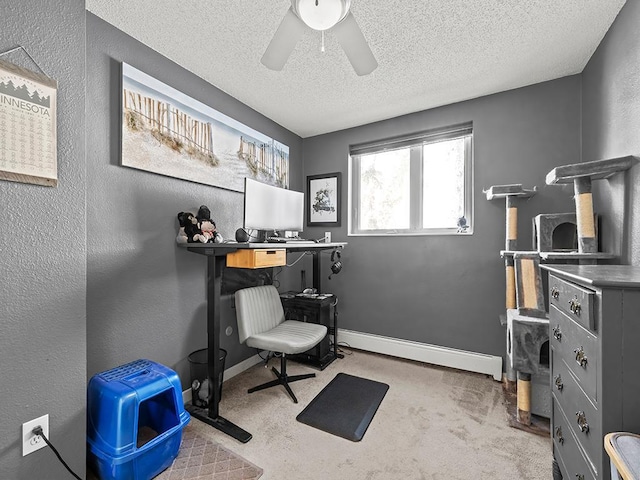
point(146, 296)
point(449, 290)
point(77, 300)
point(42, 256)
point(611, 126)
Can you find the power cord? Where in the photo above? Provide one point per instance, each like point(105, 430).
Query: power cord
point(297, 260)
point(251, 235)
point(269, 356)
point(38, 431)
point(345, 345)
point(265, 360)
point(274, 279)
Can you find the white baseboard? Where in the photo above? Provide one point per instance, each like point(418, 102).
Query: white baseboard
point(423, 352)
point(229, 373)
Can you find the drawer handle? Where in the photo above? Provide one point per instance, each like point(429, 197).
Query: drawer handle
point(557, 334)
point(559, 435)
point(558, 381)
point(581, 358)
point(574, 306)
point(582, 422)
point(555, 292)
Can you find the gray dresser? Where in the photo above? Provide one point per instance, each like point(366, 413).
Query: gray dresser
point(594, 335)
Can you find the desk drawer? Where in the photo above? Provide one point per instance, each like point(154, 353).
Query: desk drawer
point(577, 347)
point(575, 301)
point(257, 258)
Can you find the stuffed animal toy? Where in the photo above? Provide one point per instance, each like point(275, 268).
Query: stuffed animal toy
point(182, 220)
point(208, 226)
point(462, 225)
point(189, 231)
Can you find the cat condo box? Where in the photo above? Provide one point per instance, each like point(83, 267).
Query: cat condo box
point(135, 418)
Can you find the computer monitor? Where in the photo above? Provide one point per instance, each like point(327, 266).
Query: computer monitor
point(268, 208)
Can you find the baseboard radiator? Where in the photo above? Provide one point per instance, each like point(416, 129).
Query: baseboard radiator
point(423, 352)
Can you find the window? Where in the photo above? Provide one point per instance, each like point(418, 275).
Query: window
point(420, 184)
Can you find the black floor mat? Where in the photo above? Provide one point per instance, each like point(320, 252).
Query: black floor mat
point(345, 407)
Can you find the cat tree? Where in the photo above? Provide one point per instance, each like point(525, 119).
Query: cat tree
point(527, 323)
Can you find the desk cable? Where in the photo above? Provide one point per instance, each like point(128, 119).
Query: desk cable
point(297, 260)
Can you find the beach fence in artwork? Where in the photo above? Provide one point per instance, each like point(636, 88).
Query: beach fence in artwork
point(264, 158)
point(175, 128)
point(181, 132)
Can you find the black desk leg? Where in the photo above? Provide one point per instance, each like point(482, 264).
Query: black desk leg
point(220, 423)
point(335, 331)
point(215, 265)
point(317, 281)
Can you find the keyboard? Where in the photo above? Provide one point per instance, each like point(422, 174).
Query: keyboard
point(287, 240)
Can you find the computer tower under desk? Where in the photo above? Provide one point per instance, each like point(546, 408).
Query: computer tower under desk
point(314, 309)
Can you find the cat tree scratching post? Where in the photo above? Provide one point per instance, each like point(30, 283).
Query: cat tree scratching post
point(527, 327)
point(511, 241)
point(510, 193)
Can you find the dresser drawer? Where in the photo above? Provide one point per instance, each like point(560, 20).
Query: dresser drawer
point(578, 348)
point(566, 448)
point(257, 258)
point(575, 301)
point(581, 414)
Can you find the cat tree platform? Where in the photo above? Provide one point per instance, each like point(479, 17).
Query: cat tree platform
point(596, 170)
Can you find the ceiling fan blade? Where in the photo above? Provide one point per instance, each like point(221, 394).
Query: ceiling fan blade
point(283, 42)
point(355, 46)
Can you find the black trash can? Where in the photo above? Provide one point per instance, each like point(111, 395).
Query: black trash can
point(199, 368)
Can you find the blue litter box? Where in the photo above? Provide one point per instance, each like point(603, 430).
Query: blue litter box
point(135, 418)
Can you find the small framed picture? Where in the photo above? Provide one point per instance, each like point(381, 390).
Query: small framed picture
point(323, 199)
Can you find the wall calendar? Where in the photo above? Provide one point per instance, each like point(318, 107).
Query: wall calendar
point(28, 147)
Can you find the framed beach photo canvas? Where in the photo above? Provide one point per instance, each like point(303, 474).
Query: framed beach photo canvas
point(167, 132)
point(323, 199)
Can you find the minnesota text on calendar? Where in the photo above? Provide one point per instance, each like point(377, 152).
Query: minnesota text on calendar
point(28, 151)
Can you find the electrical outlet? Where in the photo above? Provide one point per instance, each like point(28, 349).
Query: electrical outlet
point(30, 441)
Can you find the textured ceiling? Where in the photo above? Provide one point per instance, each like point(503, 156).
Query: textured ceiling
point(430, 52)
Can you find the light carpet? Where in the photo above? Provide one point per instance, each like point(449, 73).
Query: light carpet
point(434, 423)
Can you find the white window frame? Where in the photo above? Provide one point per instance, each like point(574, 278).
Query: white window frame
point(415, 143)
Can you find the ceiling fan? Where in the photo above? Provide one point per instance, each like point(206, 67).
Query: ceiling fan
point(320, 15)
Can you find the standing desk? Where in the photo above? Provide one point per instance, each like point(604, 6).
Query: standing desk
point(216, 255)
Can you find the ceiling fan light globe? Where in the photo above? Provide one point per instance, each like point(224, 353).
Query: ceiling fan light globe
point(322, 16)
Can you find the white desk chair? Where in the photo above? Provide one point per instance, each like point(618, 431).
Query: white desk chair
point(261, 324)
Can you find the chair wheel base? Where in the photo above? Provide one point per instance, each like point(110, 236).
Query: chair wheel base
point(282, 379)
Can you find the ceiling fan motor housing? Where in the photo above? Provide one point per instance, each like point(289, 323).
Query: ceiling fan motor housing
point(321, 14)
